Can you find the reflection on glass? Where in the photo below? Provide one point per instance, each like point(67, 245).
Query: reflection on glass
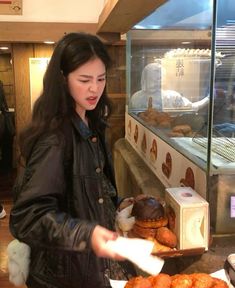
point(169, 77)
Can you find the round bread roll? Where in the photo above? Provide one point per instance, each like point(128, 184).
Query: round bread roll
point(147, 208)
point(176, 134)
point(182, 128)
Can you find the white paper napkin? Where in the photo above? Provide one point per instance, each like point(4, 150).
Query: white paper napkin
point(117, 283)
point(138, 251)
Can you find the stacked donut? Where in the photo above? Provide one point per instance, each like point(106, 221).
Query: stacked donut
point(150, 222)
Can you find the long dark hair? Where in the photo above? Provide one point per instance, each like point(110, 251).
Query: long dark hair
point(55, 105)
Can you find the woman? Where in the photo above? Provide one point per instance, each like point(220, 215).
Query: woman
point(65, 202)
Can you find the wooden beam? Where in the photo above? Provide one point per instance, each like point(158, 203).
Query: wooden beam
point(121, 15)
point(170, 35)
point(33, 32)
point(110, 37)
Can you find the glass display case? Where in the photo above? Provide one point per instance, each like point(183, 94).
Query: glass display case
point(180, 114)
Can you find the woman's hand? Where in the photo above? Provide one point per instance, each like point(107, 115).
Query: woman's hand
point(99, 239)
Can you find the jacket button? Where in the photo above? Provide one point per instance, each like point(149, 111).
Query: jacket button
point(101, 200)
point(107, 273)
point(98, 170)
point(94, 139)
point(82, 245)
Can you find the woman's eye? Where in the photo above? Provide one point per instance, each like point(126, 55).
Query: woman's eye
point(87, 80)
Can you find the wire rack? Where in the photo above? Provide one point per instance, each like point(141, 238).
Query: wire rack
point(220, 145)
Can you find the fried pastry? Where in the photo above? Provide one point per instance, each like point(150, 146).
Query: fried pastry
point(181, 281)
point(166, 237)
point(161, 281)
point(201, 280)
point(143, 232)
point(194, 280)
point(163, 221)
point(158, 247)
point(139, 282)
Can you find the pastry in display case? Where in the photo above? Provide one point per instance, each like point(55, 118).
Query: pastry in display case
point(181, 97)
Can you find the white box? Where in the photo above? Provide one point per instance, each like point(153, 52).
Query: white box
point(191, 217)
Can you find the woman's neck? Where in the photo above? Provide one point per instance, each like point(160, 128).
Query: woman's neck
point(82, 115)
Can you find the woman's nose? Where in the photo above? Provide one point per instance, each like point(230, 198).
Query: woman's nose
point(94, 86)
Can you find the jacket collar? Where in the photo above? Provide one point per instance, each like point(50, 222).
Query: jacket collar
point(81, 127)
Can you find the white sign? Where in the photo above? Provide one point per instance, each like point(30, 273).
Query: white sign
point(37, 69)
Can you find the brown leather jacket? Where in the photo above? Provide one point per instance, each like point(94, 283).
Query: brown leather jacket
point(57, 207)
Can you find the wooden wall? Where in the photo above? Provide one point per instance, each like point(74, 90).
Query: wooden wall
point(21, 54)
point(116, 85)
point(6, 77)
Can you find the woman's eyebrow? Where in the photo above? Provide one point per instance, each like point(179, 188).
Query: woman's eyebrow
point(89, 76)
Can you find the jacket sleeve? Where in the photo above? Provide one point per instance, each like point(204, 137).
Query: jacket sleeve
point(37, 217)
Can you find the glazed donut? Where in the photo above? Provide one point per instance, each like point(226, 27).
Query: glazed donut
point(166, 237)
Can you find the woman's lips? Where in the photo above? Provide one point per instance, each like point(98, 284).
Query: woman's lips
point(92, 100)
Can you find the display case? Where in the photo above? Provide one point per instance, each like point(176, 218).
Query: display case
point(180, 113)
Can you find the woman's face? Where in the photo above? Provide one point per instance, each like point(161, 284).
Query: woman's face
point(86, 85)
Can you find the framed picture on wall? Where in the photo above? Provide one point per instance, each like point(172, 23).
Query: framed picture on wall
point(11, 7)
